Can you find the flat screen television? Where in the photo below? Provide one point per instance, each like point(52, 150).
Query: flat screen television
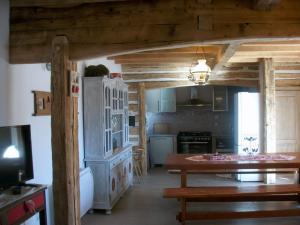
point(15, 155)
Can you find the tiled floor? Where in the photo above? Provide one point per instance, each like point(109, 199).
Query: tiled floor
point(143, 204)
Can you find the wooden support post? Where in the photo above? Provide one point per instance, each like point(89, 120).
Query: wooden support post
point(267, 90)
point(142, 125)
point(64, 138)
point(267, 110)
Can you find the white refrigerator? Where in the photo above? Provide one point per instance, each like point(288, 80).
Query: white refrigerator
point(246, 129)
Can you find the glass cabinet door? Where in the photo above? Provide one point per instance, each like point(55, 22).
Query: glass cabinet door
point(126, 117)
point(115, 99)
point(107, 121)
point(120, 100)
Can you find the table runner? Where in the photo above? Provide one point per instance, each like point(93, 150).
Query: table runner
point(229, 157)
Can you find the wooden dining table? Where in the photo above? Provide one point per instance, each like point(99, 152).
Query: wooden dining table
point(182, 164)
point(234, 164)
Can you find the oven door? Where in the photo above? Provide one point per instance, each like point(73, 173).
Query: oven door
point(194, 147)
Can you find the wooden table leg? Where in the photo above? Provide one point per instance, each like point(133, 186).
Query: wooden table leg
point(183, 178)
point(183, 200)
point(183, 211)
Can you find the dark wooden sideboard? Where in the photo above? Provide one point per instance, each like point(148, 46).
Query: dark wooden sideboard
point(17, 208)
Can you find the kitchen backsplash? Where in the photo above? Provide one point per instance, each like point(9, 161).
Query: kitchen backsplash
point(192, 118)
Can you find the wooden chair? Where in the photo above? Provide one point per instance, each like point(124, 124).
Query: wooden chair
point(137, 155)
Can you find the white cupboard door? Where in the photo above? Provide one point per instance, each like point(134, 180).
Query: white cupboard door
point(127, 172)
point(113, 184)
point(287, 121)
point(153, 100)
point(167, 100)
point(129, 169)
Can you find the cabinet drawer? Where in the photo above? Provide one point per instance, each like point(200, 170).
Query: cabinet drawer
point(120, 158)
point(114, 162)
point(25, 209)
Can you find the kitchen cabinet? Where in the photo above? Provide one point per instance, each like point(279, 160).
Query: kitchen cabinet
point(106, 138)
point(112, 177)
point(220, 99)
point(160, 147)
point(161, 100)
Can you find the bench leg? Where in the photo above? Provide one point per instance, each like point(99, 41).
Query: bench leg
point(183, 211)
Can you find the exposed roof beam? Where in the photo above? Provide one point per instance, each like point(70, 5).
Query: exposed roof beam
point(287, 83)
point(265, 4)
point(154, 68)
point(167, 84)
point(255, 60)
point(183, 77)
point(54, 3)
point(195, 50)
point(273, 43)
point(158, 55)
point(225, 56)
point(173, 84)
point(287, 66)
point(113, 28)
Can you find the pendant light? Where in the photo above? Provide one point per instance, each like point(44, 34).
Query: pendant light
point(200, 72)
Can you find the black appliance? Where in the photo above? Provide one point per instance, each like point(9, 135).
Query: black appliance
point(15, 155)
point(194, 142)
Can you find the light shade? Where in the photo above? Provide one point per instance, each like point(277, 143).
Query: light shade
point(199, 74)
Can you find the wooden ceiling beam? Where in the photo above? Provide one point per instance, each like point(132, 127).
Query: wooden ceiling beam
point(155, 76)
point(154, 56)
point(151, 68)
point(174, 84)
point(227, 53)
point(161, 77)
point(193, 50)
point(287, 76)
point(54, 3)
point(187, 60)
point(273, 43)
point(264, 54)
point(255, 60)
point(101, 29)
point(265, 4)
point(269, 49)
point(168, 84)
point(237, 82)
point(287, 66)
point(287, 83)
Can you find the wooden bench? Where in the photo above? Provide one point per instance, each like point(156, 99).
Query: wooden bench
point(240, 171)
point(288, 192)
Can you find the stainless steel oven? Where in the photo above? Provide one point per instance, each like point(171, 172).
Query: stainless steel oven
point(194, 142)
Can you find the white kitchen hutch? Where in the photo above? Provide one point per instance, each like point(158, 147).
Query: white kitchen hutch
point(106, 138)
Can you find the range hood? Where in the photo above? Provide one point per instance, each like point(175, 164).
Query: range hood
point(194, 99)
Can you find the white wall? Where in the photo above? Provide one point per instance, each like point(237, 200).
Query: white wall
point(16, 107)
point(4, 67)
